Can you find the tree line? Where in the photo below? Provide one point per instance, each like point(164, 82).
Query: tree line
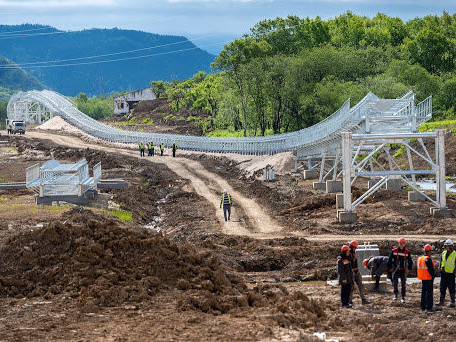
point(290, 73)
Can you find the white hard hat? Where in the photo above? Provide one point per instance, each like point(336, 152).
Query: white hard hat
point(224, 191)
point(448, 242)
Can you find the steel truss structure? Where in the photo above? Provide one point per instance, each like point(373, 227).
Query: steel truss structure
point(359, 160)
point(55, 179)
point(370, 115)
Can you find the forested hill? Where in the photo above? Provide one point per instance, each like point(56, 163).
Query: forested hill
point(290, 73)
point(15, 79)
point(37, 43)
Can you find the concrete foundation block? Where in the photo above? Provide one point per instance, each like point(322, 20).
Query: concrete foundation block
point(371, 183)
point(47, 200)
point(441, 212)
point(311, 174)
point(339, 201)
point(319, 186)
point(347, 217)
point(333, 187)
point(415, 196)
point(369, 284)
point(393, 185)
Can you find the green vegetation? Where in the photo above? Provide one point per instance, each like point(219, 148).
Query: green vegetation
point(444, 124)
point(129, 122)
point(96, 107)
point(290, 73)
point(148, 121)
point(124, 216)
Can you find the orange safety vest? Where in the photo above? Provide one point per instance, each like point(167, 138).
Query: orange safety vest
point(423, 272)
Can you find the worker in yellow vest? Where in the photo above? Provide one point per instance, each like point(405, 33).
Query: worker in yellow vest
point(227, 202)
point(447, 273)
point(162, 148)
point(426, 273)
point(142, 148)
point(9, 128)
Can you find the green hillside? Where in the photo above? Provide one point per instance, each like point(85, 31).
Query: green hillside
point(12, 80)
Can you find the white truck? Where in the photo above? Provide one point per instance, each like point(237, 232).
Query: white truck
point(16, 126)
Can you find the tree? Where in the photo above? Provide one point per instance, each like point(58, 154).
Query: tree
point(158, 88)
point(432, 50)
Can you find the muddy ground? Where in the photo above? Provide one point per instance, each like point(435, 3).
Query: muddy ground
point(73, 274)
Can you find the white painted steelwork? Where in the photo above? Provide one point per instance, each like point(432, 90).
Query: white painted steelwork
point(370, 115)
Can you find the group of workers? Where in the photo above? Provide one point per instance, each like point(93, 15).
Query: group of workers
point(151, 149)
point(397, 266)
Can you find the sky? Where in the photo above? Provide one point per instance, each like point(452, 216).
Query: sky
point(208, 22)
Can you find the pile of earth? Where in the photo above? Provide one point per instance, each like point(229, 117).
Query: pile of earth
point(90, 255)
point(98, 260)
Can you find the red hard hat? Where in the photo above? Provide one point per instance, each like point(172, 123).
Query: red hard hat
point(365, 261)
point(344, 248)
point(354, 243)
point(428, 248)
point(401, 240)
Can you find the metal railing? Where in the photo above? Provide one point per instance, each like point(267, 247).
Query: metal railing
point(324, 136)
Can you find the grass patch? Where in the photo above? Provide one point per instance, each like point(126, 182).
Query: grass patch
point(231, 133)
point(172, 117)
point(443, 124)
point(123, 215)
point(129, 122)
point(148, 121)
point(2, 199)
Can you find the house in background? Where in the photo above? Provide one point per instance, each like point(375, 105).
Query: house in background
point(125, 102)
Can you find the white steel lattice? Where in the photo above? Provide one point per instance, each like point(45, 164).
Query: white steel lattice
point(370, 115)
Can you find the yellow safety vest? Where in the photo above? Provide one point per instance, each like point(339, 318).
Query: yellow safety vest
point(223, 198)
point(448, 264)
point(162, 147)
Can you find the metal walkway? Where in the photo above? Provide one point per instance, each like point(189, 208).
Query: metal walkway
point(371, 115)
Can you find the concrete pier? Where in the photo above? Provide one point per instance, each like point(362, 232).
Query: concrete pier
point(333, 187)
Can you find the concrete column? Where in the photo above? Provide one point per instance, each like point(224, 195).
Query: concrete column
point(339, 201)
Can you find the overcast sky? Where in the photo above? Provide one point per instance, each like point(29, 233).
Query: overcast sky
point(193, 18)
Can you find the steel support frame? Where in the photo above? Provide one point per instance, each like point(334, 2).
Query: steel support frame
point(351, 169)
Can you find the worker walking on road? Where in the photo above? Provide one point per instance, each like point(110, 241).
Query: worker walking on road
point(378, 266)
point(9, 129)
point(358, 279)
point(174, 150)
point(400, 262)
point(447, 273)
point(162, 148)
point(141, 149)
point(227, 202)
point(344, 269)
point(426, 273)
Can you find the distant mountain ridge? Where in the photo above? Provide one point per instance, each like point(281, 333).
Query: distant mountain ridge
point(174, 57)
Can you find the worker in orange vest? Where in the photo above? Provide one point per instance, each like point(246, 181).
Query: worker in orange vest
point(426, 273)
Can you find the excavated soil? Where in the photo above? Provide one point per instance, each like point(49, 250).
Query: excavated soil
point(86, 276)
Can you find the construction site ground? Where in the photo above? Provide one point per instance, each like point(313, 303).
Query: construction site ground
point(70, 273)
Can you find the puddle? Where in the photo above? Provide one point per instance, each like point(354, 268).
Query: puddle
point(427, 185)
point(155, 224)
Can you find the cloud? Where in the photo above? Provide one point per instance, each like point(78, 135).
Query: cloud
point(49, 4)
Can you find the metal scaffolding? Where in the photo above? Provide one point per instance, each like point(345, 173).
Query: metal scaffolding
point(360, 160)
point(368, 116)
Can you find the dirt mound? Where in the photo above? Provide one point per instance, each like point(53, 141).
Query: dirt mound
point(90, 256)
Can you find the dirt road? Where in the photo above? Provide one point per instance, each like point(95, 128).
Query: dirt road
point(248, 217)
